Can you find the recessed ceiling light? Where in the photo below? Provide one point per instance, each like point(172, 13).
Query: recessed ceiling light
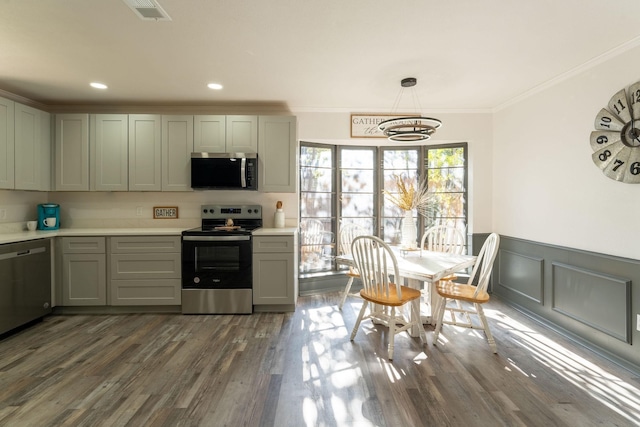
point(97, 85)
point(214, 86)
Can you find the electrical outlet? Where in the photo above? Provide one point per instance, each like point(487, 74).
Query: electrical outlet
point(3, 214)
point(139, 211)
point(638, 322)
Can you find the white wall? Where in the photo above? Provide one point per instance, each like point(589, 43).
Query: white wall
point(546, 188)
point(473, 128)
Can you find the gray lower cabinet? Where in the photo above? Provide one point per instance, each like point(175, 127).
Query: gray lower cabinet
point(84, 281)
point(145, 270)
point(275, 272)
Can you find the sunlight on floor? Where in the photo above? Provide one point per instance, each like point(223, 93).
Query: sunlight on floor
point(618, 395)
point(327, 359)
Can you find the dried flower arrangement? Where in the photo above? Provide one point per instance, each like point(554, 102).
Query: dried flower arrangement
point(410, 197)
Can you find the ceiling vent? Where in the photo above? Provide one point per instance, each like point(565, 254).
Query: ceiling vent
point(148, 10)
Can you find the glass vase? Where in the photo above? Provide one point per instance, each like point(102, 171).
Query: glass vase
point(409, 231)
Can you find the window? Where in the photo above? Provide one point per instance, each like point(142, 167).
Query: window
point(358, 199)
point(343, 184)
point(396, 162)
point(317, 207)
point(446, 168)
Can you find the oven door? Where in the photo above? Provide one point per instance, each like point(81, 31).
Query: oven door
point(216, 262)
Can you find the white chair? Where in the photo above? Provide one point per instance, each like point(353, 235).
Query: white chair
point(441, 238)
point(470, 295)
point(349, 232)
point(376, 262)
point(313, 239)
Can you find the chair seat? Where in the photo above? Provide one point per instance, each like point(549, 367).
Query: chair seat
point(408, 294)
point(461, 292)
point(353, 273)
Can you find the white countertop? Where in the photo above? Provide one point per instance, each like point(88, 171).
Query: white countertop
point(22, 236)
point(64, 232)
point(287, 231)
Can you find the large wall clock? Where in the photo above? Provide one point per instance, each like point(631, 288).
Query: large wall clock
point(616, 140)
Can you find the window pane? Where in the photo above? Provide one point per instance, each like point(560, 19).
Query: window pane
point(359, 159)
point(446, 179)
point(355, 180)
point(315, 205)
point(443, 157)
point(450, 205)
point(400, 159)
point(391, 232)
point(357, 205)
point(389, 209)
point(315, 179)
point(316, 156)
point(365, 223)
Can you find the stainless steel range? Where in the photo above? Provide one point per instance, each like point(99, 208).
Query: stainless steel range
point(217, 275)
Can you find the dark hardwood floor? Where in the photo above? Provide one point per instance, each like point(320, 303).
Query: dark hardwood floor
point(300, 369)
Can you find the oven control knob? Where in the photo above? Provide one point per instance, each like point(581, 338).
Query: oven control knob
point(204, 210)
point(196, 280)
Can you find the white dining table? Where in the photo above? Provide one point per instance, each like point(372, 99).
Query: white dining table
point(423, 267)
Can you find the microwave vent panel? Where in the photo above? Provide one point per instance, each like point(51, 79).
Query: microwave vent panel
point(148, 10)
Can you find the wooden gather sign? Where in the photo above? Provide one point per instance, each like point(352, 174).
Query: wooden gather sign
point(366, 125)
point(165, 212)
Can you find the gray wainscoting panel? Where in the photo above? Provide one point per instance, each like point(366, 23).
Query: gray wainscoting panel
point(599, 300)
point(591, 297)
point(521, 274)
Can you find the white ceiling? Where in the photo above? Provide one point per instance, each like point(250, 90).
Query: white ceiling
point(342, 55)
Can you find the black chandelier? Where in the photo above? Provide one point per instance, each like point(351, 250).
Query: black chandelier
point(409, 128)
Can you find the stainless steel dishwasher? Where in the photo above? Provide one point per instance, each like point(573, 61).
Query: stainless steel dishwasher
point(25, 283)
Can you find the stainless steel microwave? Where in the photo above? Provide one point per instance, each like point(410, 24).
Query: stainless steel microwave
point(224, 171)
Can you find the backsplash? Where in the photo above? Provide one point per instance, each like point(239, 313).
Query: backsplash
point(134, 209)
point(17, 207)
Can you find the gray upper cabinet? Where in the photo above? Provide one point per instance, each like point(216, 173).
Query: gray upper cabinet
point(72, 152)
point(6, 144)
point(139, 152)
point(277, 154)
point(209, 134)
point(177, 146)
point(145, 152)
point(242, 134)
point(109, 152)
point(32, 149)
point(45, 151)
point(27, 149)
